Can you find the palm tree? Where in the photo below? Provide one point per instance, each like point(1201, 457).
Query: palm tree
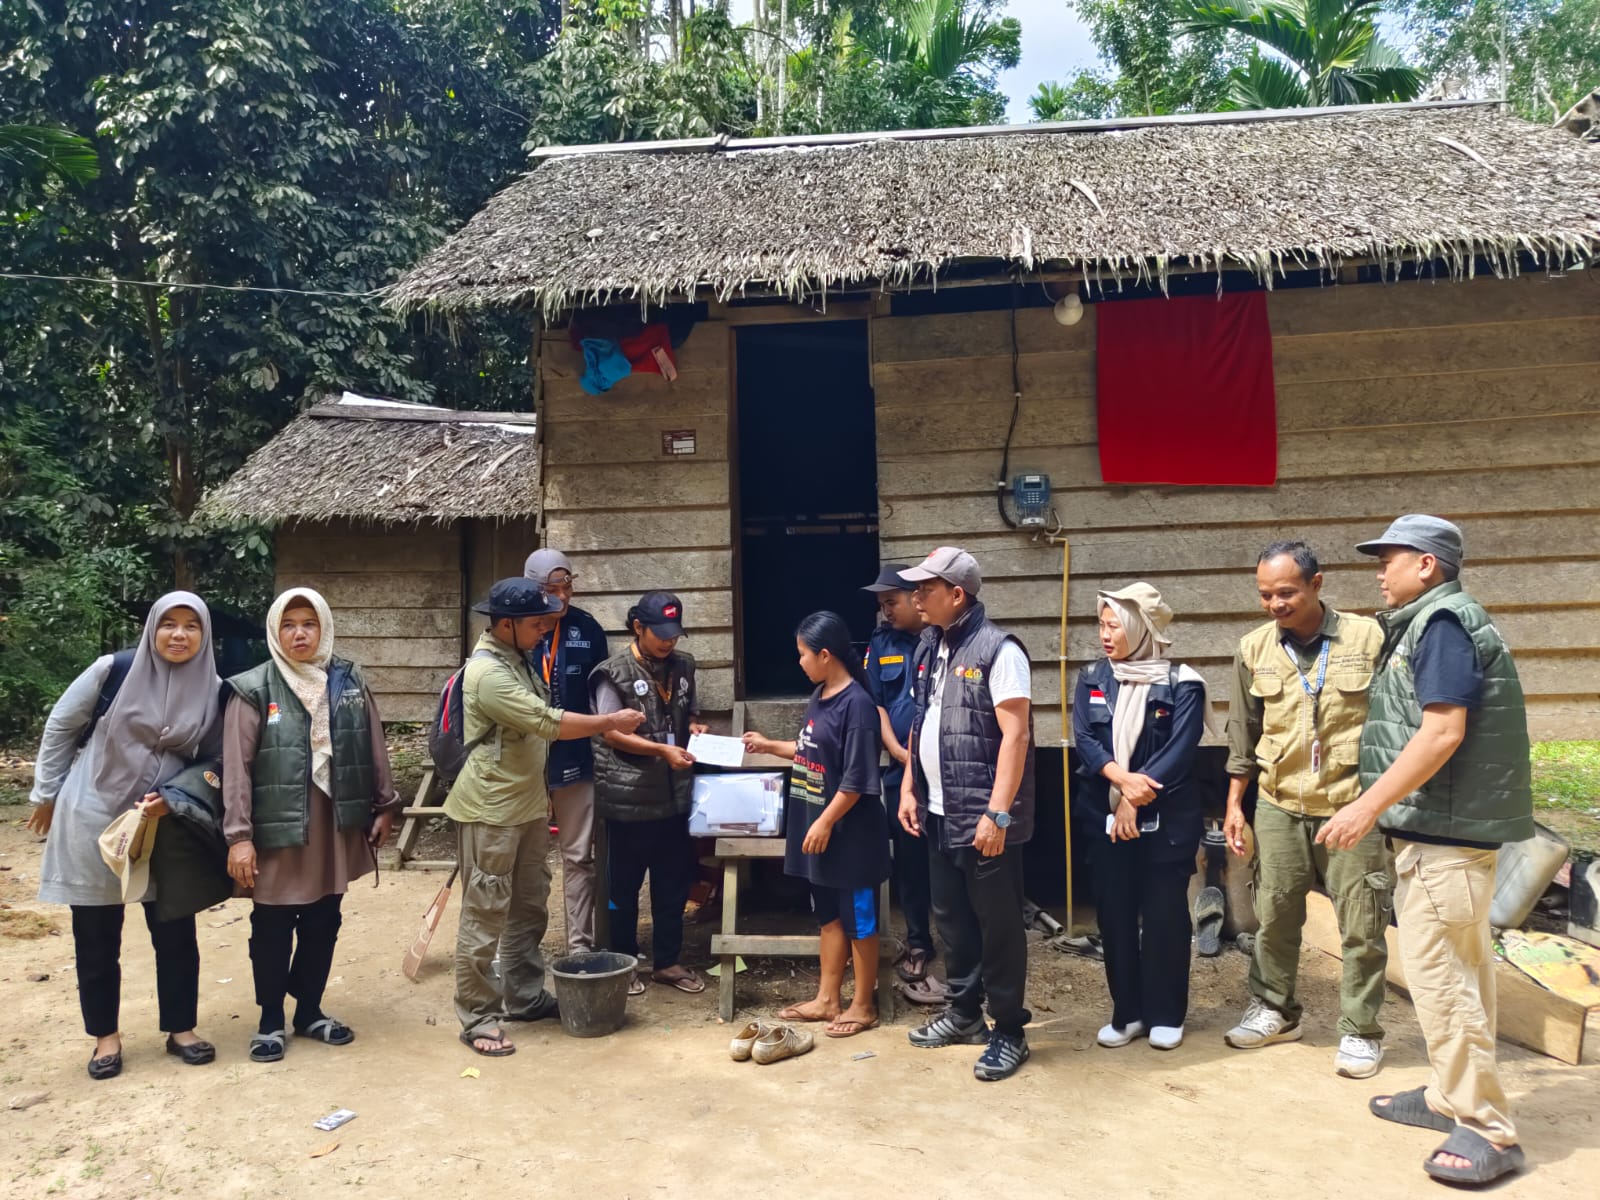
point(1052, 102)
point(1322, 52)
point(40, 152)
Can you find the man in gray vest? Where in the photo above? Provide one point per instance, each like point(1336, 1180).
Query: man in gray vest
point(969, 791)
point(1445, 773)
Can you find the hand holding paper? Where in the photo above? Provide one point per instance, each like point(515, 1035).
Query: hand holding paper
point(716, 751)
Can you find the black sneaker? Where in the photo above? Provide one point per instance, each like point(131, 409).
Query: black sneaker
point(1004, 1055)
point(950, 1028)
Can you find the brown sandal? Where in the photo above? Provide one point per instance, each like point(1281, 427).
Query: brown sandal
point(842, 1028)
point(686, 981)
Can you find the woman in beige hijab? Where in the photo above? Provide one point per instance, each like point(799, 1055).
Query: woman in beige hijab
point(1137, 719)
point(307, 798)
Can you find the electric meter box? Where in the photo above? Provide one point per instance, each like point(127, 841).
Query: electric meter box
point(1031, 495)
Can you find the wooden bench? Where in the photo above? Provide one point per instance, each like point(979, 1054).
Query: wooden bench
point(730, 943)
point(412, 819)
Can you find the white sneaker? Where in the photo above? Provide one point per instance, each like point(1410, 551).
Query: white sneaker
point(1358, 1057)
point(1262, 1025)
point(1166, 1037)
point(1111, 1037)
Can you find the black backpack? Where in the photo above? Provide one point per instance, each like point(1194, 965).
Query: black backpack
point(446, 737)
point(121, 663)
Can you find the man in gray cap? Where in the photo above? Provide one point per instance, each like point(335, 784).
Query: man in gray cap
point(1445, 774)
point(561, 663)
point(969, 790)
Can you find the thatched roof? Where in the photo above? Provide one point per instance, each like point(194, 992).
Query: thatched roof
point(1136, 199)
point(370, 460)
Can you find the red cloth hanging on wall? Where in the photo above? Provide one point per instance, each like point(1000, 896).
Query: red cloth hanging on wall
point(1185, 391)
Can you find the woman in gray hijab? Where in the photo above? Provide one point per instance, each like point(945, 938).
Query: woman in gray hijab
point(96, 763)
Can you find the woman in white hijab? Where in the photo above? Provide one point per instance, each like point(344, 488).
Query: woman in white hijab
point(307, 799)
point(128, 724)
point(1137, 719)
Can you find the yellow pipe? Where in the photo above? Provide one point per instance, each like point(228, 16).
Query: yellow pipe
point(1066, 773)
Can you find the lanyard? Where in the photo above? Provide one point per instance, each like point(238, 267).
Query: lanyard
point(549, 657)
point(664, 692)
point(1314, 692)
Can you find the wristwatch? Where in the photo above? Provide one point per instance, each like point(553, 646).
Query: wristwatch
point(1001, 819)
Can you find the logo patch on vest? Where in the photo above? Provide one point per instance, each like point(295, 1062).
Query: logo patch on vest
point(641, 688)
point(211, 778)
point(273, 715)
point(890, 659)
point(1096, 696)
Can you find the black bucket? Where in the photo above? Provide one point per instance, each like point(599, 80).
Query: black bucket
point(593, 990)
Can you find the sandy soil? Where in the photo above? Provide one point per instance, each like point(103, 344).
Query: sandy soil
point(660, 1111)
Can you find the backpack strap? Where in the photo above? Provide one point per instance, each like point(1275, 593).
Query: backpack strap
point(468, 747)
point(121, 664)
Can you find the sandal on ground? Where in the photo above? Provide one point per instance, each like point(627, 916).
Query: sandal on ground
point(266, 1047)
point(1409, 1108)
point(681, 978)
point(795, 1013)
point(329, 1030)
point(848, 1027)
point(1489, 1162)
point(471, 1040)
point(636, 986)
point(195, 1054)
point(107, 1066)
point(1209, 910)
point(930, 990)
point(912, 965)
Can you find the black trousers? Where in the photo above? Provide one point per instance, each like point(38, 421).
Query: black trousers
point(1143, 905)
point(910, 878)
point(291, 953)
point(665, 851)
point(977, 906)
point(97, 945)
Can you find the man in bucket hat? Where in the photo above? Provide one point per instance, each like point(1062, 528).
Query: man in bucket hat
point(1445, 774)
point(501, 807)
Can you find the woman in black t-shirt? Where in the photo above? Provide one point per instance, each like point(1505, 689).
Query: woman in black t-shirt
point(834, 822)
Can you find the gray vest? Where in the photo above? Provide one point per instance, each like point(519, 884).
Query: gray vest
point(1484, 792)
point(642, 787)
point(969, 732)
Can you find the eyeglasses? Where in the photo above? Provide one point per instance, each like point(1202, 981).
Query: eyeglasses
point(560, 581)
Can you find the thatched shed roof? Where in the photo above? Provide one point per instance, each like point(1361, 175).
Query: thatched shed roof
point(1264, 192)
point(370, 460)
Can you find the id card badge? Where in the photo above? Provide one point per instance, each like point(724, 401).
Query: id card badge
point(1316, 754)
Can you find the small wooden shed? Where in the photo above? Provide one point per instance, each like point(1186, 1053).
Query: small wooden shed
point(871, 298)
point(402, 515)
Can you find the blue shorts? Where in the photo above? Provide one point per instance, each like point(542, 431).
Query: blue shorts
point(854, 908)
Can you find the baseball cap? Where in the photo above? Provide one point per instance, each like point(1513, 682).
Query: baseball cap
point(126, 846)
point(1418, 531)
point(662, 612)
point(517, 598)
point(956, 567)
point(541, 563)
point(889, 580)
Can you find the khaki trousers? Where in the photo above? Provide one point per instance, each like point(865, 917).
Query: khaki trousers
point(1443, 897)
point(572, 808)
point(505, 898)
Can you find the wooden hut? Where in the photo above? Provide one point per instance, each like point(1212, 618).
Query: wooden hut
point(869, 300)
point(402, 515)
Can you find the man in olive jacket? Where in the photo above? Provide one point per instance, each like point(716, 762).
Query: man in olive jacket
point(1445, 773)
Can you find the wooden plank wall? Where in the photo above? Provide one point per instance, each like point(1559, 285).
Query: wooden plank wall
point(395, 591)
point(632, 518)
point(1479, 401)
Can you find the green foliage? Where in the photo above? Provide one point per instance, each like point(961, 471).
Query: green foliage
point(40, 152)
point(1567, 775)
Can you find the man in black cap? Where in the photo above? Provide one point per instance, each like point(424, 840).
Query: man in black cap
point(1445, 774)
point(888, 667)
point(501, 808)
point(644, 785)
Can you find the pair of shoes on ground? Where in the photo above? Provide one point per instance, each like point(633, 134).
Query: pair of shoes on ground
point(1486, 1162)
point(1162, 1037)
point(270, 1047)
point(765, 1042)
point(194, 1054)
point(1262, 1025)
point(1003, 1055)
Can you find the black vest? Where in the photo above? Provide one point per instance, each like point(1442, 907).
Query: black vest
point(968, 733)
point(642, 787)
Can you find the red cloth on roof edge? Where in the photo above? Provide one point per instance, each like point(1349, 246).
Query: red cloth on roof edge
point(1185, 391)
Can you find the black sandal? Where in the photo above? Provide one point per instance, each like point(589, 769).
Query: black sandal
point(195, 1054)
point(107, 1066)
point(266, 1047)
point(1410, 1108)
point(470, 1040)
point(1489, 1162)
point(328, 1030)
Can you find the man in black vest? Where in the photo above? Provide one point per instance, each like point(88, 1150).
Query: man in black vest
point(970, 792)
point(562, 663)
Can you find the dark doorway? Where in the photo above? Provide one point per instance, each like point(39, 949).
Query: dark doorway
point(808, 491)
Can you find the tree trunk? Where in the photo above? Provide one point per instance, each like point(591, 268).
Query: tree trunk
point(783, 59)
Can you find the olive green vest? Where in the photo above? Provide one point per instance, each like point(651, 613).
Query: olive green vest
point(280, 782)
point(1484, 792)
point(1283, 751)
point(642, 787)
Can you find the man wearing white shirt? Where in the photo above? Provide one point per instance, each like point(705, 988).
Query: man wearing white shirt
point(969, 792)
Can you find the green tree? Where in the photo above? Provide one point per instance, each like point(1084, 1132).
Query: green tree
point(1317, 52)
point(39, 152)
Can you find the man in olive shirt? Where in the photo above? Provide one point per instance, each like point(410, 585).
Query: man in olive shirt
point(1294, 726)
point(501, 807)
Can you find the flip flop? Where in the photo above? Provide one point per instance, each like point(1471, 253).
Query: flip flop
point(793, 1013)
point(1488, 1161)
point(266, 1047)
point(843, 1029)
point(930, 990)
point(330, 1031)
point(912, 965)
point(1209, 909)
point(687, 982)
point(506, 1048)
point(636, 986)
point(1409, 1108)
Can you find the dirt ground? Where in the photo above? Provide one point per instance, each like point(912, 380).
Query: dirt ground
point(659, 1110)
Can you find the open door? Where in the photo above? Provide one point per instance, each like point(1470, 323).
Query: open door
point(808, 492)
